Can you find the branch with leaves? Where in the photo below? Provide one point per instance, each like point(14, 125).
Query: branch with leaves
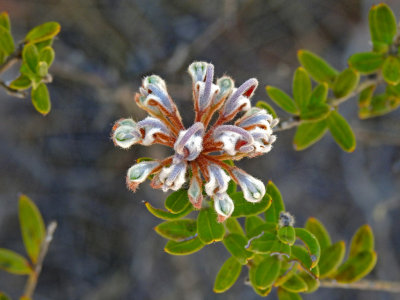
point(36, 55)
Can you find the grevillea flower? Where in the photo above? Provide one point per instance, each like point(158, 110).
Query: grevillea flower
point(201, 150)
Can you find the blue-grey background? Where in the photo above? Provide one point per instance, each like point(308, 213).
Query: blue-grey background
point(105, 246)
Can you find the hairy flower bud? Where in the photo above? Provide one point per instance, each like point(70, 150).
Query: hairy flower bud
point(234, 139)
point(226, 86)
point(224, 206)
point(173, 177)
point(195, 192)
point(149, 127)
point(198, 70)
point(189, 143)
point(253, 188)
point(263, 140)
point(218, 182)
point(139, 172)
point(126, 133)
point(240, 98)
point(256, 117)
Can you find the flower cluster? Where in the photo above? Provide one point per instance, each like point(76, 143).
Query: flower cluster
point(202, 150)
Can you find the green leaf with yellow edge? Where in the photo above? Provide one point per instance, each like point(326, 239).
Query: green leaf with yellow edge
point(277, 205)
point(14, 263)
point(257, 259)
point(251, 223)
point(43, 32)
point(269, 243)
point(177, 201)
point(233, 226)
point(383, 24)
point(227, 275)
point(314, 226)
point(286, 295)
point(363, 240)
point(32, 227)
point(318, 68)
point(295, 284)
point(380, 105)
point(311, 242)
point(165, 215)
point(301, 88)
point(235, 244)
point(356, 267)
point(208, 229)
point(177, 230)
point(315, 113)
point(282, 99)
point(366, 62)
point(265, 227)
point(41, 99)
point(42, 69)
point(331, 258)
point(267, 271)
point(4, 296)
point(378, 45)
point(244, 208)
point(311, 282)
point(186, 247)
point(319, 95)
point(301, 255)
point(6, 41)
point(345, 83)
point(288, 268)
point(365, 97)
point(341, 131)
point(5, 20)
point(287, 235)
point(309, 133)
point(47, 55)
point(30, 56)
point(391, 70)
point(267, 107)
point(22, 82)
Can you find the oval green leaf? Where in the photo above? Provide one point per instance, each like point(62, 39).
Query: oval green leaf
point(341, 131)
point(317, 67)
point(277, 205)
point(287, 235)
point(315, 113)
point(331, 258)
point(184, 247)
point(356, 267)
point(363, 240)
point(47, 54)
point(383, 24)
point(286, 295)
point(319, 94)
point(366, 62)
point(5, 20)
point(22, 82)
point(42, 69)
point(177, 201)
point(41, 99)
point(251, 224)
point(282, 99)
point(233, 226)
point(14, 263)
point(267, 107)
point(391, 70)
point(227, 275)
point(244, 208)
point(308, 134)
point(267, 272)
point(301, 88)
point(177, 230)
point(311, 242)
point(365, 97)
point(6, 41)
point(269, 243)
point(295, 284)
point(208, 228)
point(30, 56)
point(235, 244)
point(314, 226)
point(165, 215)
point(345, 83)
point(311, 282)
point(43, 32)
point(32, 227)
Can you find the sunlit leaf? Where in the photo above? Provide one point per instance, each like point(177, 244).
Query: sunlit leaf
point(301, 88)
point(267, 271)
point(235, 244)
point(317, 67)
point(227, 275)
point(5, 20)
point(311, 242)
point(251, 223)
point(282, 99)
point(366, 62)
point(314, 226)
point(382, 24)
point(233, 226)
point(341, 131)
point(331, 258)
point(244, 208)
point(345, 83)
point(41, 99)
point(356, 267)
point(177, 230)
point(363, 240)
point(14, 263)
point(177, 201)
point(315, 113)
point(287, 235)
point(269, 243)
point(311, 282)
point(365, 97)
point(391, 70)
point(30, 55)
point(295, 284)
point(267, 107)
point(43, 32)
point(21, 83)
point(286, 295)
point(185, 247)
point(47, 55)
point(309, 133)
point(208, 229)
point(42, 68)
point(165, 215)
point(319, 95)
point(6, 41)
point(277, 205)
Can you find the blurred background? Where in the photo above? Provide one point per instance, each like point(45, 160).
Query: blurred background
point(105, 246)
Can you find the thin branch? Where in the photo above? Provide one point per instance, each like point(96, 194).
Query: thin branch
point(13, 92)
point(12, 58)
point(33, 278)
point(287, 124)
point(367, 285)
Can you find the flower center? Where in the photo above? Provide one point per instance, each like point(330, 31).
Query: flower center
point(189, 143)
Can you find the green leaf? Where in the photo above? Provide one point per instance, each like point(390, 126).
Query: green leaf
point(251, 223)
point(319, 95)
point(365, 97)
point(3, 296)
point(32, 227)
point(288, 268)
point(6, 41)
point(315, 113)
point(295, 284)
point(41, 99)
point(285, 295)
point(300, 254)
point(267, 272)
point(267, 107)
point(391, 70)
point(356, 267)
point(311, 242)
point(317, 67)
point(208, 229)
point(378, 45)
point(314, 226)
point(30, 55)
point(47, 55)
point(177, 201)
point(177, 230)
point(287, 235)
point(5, 20)
point(14, 263)
point(227, 275)
point(21, 83)
point(42, 69)
point(301, 88)
point(382, 24)
point(165, 215)
point(311, 282)
point(235, 244)
point(277, 205)
point(341, 131)
point(331, 258)
point(268, 243)
point(366, 62)
point(185, 247)
point(244, 208)
point(308, 134)
point(43, 32)
point(232, 187)
point(233, 226)
point(264, 227)
point(282, 99)
point(380, 104)
point(363, 240)
point(345, 83)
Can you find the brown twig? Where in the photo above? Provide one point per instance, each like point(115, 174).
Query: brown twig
point(12, 92)
point(12, 59)
point(33, 278)
point(367, 285)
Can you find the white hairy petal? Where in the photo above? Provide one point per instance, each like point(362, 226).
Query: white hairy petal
point(253, 188)
point(218, 182)
point(126, 134)
point(189, 143)
point(234, 139)
point(173, 177)
point(151, 126)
